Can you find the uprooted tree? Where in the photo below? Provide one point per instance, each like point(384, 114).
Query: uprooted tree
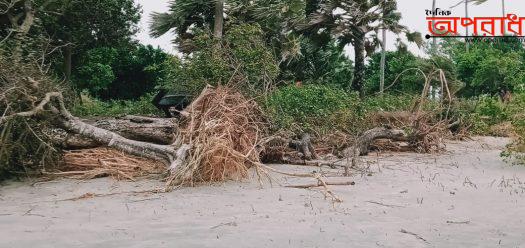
point(219, 137)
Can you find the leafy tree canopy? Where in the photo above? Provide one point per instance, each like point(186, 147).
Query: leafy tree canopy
point(120, 73)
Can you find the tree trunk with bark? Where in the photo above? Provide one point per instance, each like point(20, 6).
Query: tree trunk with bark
point(68, 60)
point(362, 145)
point(219, 19)
point(53, 102)
point(383, 62)
point(21, 30)
point(467, 44)
point(153, 130)
point(359, 68)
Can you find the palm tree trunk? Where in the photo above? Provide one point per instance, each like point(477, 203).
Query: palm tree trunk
point(22, 29)
point(434, 42)
point(219, 19)
point(467, 44)
point(359, 69)
point(503, 8)
point(68, 54)
point(383, 62)
point(503, 11)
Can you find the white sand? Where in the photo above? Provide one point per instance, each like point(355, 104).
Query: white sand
point(467, 197)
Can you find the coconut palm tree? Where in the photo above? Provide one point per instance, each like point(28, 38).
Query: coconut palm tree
point(466, 2)
point(434, 42)
point(503, 10)
point(355, 22)
point(383, 61)
point(185, 15)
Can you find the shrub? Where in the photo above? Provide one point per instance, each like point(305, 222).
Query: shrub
point(311, 107)
point(120, 73)
point(93, 107)
point(242, 59)
point(389, 103)
point(516, 112)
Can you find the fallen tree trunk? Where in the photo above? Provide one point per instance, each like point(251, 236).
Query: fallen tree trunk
point(155, 130)
point(54, 103)
point(164, 153)
point(69, 141)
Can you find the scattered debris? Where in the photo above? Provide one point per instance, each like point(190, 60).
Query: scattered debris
point(414, 234)
point(319, 184)
point(385, 205)
point(458, 222)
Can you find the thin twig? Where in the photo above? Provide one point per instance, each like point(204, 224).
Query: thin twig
point(318, 184)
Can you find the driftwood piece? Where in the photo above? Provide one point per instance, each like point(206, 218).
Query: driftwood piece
point(277, 149)
point(362, 145)
point(304, 145)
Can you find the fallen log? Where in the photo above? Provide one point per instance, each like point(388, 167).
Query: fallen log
point(54, 102)
point(154, 130)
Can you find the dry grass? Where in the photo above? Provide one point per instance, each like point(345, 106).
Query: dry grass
point(101, 162)
point(222, 128)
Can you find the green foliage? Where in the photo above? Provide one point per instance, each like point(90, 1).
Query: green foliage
point(254, 58)
point(320, 65)
point(91, 107)
point(491, 109)
point(182, 16)
point(90, 23)
point(308, 107)
point(515, 110)
point(323, 108)
point(485, 111)
point(96, 73)
point(409, 82)
point(120, 73)
point(488, 67)
point(388, 103)
point(80, 26)
point(242, 58)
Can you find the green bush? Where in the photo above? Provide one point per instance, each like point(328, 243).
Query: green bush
point(122, 73)
point(388, 102)
point(242, 59)
point(516, 112)
point(93, 107)
point(311, 107)
point(398, 62)
point(492, 110)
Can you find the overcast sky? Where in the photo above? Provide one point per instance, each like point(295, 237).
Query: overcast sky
point(413, 12)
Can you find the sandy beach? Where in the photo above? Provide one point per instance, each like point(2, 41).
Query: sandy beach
point(465, 197)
